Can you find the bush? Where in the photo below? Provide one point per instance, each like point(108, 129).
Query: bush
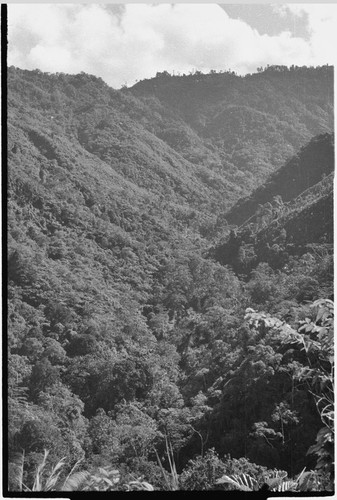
point(202, 472)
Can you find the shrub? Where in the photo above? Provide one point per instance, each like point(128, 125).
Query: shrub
point(202, 472)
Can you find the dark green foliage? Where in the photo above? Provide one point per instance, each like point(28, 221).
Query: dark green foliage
point(43, 376)
point(301, 172)
point(277, 230)
point(127, 287)
point(201, 473)
point(253, 123)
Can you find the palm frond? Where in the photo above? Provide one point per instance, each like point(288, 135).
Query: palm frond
point(243, 482)
point(37, 486)
point(54, 475)
point(71, 472)
point(274, 482)
point(286, 486)
point(75, 481)
point(139, 486)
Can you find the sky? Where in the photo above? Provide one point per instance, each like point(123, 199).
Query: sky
point(129, 42)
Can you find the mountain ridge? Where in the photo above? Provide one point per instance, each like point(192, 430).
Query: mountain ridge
point(128, 288)
point(306, 168)
point(272, 228)
point(278, 100)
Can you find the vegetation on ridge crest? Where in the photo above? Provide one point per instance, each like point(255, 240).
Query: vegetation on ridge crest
point(128, 340)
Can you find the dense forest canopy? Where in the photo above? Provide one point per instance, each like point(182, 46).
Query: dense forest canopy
point(170, 280)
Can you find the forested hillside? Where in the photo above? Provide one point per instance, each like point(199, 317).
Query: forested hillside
point(312, 163)
point(250, 124)
point(151, 342)
point(284, 225)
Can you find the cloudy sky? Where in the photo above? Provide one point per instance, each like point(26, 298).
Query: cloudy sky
point(123, 43)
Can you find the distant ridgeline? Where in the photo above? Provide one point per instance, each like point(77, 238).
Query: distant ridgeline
point(249, 125)
point(142, 223)
point(205, 139)
point(293, 209)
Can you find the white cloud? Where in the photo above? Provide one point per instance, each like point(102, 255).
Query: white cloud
point(144, 38)
point(322, 28)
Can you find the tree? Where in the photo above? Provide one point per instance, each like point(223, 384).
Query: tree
point(315, 340)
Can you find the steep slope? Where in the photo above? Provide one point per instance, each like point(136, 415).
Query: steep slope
point(314, 161)
point(279, 228)
point(254, 122)
point(109, 125)
point(122, 333)
point(94, 199)
point(198, 139)
point(105, 225)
